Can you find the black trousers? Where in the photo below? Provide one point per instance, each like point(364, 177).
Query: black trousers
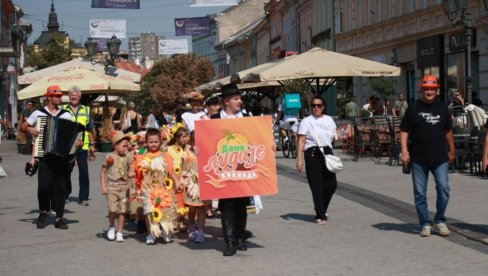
point(51, 186)
point(322, 182)
point(234, 219)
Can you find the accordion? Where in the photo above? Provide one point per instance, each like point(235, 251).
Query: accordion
point(57, 137)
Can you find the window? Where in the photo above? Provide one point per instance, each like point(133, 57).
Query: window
point(412, 7)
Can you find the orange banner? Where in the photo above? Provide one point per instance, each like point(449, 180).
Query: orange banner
point(236, 158)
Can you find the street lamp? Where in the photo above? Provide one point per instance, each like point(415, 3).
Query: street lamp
point(458, 14)
point(113, 46)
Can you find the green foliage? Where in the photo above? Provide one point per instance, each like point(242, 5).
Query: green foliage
point(384, 86)
point(341, 107)
point(170, 79)
point(54, 53)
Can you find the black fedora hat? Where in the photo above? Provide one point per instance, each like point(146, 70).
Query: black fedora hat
point(229, 89)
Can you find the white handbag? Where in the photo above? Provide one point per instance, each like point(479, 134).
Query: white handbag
point(333, 163)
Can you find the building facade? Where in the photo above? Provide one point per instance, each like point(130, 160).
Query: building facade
point(13, 37)
point(418, 37)
point(144, 47)
point(204, 45)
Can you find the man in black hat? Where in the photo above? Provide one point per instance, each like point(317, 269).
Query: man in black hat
point(234, 213)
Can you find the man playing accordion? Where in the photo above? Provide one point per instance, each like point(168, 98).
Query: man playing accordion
point(53, 169)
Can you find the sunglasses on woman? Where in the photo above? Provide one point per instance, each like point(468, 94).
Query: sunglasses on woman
point(317, 105)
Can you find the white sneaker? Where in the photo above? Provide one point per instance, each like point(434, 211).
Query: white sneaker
point(149, 239)
point(119, 237)
point(442, 229)
point(426, 230)
point(167, 238)
point(52, 214)
point(111, 233)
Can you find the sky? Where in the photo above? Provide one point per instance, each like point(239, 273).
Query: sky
point(156, 16)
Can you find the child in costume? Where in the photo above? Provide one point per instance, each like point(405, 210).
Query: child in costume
point(155, 186)
point(175, 149)
point(137, 146)
point(114, 178)
point(189, 179)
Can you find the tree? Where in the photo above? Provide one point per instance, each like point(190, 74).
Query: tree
point(54, 53)
point(170, 79)
point(384, 86)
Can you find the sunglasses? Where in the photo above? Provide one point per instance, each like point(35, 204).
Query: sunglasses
point(317, 105)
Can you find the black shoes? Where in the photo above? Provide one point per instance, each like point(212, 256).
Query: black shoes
point(41, 220)
point(230, 251)
point(241, 245)
point(60, 224)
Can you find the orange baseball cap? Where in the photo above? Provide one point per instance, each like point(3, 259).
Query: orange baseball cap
point(53, 90)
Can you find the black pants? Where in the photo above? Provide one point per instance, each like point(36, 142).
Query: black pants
point(322, 182)
point(51, 186)
point(234, 219)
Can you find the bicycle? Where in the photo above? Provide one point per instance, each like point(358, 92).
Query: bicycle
point(289, 145)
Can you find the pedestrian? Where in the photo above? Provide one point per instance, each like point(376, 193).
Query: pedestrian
point(53, 170)
point(400, 106)
point(82, 115)
point(29, 108)
point(352, 109)
point(131, 120)
point(197, 207)
point(154, 183)
point(151, 121)
point(195, 99)
point(389, 111)
point(233, 210)
point(322, 182)
point(175, 151)
point(427, 144)
point(114, 179)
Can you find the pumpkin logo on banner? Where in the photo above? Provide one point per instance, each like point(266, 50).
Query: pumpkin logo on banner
point(235, 161)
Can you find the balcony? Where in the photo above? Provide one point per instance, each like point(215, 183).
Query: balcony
point(6, 45)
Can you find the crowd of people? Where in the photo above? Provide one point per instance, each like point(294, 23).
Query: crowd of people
point(153, 176)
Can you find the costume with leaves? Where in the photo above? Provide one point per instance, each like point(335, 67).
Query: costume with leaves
point(189, 179)
point(153, 171)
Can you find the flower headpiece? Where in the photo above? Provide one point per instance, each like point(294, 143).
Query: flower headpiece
point(194, 95)
point(174, 129)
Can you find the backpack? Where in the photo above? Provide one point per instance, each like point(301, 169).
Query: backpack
point(292, 104)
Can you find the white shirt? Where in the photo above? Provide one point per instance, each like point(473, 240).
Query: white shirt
point(189, 119)
point(224, 115)
point(325, 129)
point(32, 120)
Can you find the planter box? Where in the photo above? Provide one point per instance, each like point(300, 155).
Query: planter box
point(105, 146)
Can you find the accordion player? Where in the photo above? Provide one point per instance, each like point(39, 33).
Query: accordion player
point(57, 137)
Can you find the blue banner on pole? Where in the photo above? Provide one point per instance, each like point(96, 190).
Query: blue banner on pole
point(192, 26)
point(116, 4)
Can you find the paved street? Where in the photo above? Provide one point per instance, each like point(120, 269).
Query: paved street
point(372, 231)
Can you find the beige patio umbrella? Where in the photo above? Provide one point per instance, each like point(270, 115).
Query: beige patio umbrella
point(119, 73)
point(88, 81)
point(320, 63)
point(213, 85)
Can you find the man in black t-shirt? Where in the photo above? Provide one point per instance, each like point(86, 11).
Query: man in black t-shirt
point(428, 128)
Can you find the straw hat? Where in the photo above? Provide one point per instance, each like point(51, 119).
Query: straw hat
point(117, 136)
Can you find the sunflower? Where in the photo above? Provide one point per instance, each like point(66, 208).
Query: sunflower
point(177, 170)
point(156, 215)
point(168, 183)
point(182, 211)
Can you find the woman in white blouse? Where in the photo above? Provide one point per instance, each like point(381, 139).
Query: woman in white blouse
point(323, 183)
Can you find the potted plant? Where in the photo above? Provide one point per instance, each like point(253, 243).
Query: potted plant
point(105, 131)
